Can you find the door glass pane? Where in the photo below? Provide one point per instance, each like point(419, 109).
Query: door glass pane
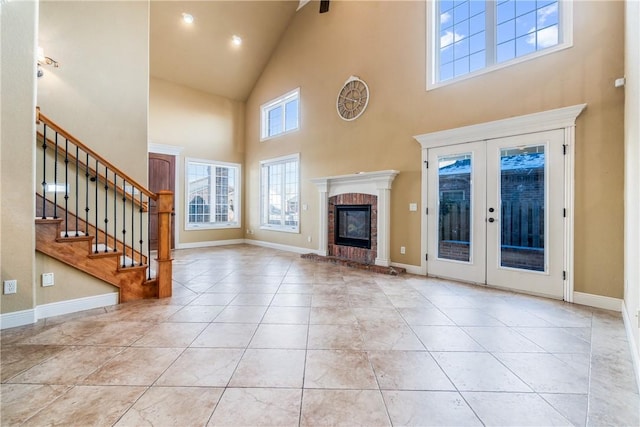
point(522, 197)
point(454, 216)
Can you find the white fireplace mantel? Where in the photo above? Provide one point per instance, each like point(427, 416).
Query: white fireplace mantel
point(376, 183)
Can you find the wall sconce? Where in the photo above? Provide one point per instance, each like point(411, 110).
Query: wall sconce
point(42, 60)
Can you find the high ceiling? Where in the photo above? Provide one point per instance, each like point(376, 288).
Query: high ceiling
point(202, 56)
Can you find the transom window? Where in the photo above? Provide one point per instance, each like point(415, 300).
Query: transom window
point(474, 36)
point(280, 115)
point(213, 194)
point(280, 193)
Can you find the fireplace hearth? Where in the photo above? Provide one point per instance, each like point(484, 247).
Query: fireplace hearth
point(353, 226)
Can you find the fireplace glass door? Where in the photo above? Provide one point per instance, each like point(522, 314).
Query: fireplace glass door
point(353, 226)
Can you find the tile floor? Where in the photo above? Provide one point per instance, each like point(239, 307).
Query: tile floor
point(254, 336)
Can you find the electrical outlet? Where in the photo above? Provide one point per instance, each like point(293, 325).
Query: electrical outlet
point(403, 250)
point(47, 279)
point(10, 287)
point(309, 239)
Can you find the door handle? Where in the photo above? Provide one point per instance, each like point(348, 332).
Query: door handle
point(491, 219)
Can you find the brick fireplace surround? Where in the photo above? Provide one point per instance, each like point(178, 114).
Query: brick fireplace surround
point(364, 255)
point(361, 188)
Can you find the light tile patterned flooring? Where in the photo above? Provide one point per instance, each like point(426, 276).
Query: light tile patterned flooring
point(254, 336)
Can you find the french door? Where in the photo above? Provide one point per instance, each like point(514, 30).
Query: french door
point(496, 212)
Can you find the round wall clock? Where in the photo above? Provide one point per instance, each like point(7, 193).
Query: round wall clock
point(352, 99)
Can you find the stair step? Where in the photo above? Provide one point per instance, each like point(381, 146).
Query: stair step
point(102, 251)
point(128, 262)
point(72, 233)
point(101, 248)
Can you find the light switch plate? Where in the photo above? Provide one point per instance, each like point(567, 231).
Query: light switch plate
point(10, 287)
point(413, 207)
point(47, 279)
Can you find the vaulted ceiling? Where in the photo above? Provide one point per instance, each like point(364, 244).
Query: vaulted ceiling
point(201, 55)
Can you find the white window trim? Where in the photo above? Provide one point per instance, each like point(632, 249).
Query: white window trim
point(282, 228)
point(266, 107)
point(566, 33)
point(238, 202)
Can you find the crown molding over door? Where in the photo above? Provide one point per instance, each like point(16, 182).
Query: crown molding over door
point(530, 123)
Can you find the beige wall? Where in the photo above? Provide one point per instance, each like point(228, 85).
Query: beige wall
point(69, 283)
point(100, 95)
point(384, 43)
point(17, 236)
point(100, 92)
point(632, 168)
point(206, 127)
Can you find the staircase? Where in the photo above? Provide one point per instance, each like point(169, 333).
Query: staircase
point(92, 216)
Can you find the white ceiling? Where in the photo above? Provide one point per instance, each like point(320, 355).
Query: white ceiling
point(201, 55)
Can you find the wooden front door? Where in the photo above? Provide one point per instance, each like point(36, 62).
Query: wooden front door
point(162, 176)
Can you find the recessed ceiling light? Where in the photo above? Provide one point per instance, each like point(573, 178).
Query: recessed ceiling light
point(187, 18)
point(236, 40)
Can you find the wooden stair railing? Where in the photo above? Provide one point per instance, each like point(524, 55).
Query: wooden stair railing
point(89, 197)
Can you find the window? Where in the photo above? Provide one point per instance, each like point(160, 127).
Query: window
point(213, 194)
point(281, 115)
point(280, 193)
point(471, 37)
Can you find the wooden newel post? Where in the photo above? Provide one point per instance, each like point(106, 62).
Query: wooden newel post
point(165, 271)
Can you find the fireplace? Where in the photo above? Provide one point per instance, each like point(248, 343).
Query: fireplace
point(353, 226)
point(362, 188)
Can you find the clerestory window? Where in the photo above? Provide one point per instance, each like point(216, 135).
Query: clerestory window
point(470, 37)
point(280, 115)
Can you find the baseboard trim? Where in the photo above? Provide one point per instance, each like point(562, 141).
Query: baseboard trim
point(74, 305)
point(210, 243)
point(287, 248)
point(31, 316)
point(17, 318)
point(598, 301)
point(633, 345)
point(411, 269)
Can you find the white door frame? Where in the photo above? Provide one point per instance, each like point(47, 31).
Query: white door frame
point(561, 118)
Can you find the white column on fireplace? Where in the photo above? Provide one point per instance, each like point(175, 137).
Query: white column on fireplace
point(375, 183)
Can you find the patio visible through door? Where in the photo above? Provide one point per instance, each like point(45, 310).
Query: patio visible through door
point(496, 212)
